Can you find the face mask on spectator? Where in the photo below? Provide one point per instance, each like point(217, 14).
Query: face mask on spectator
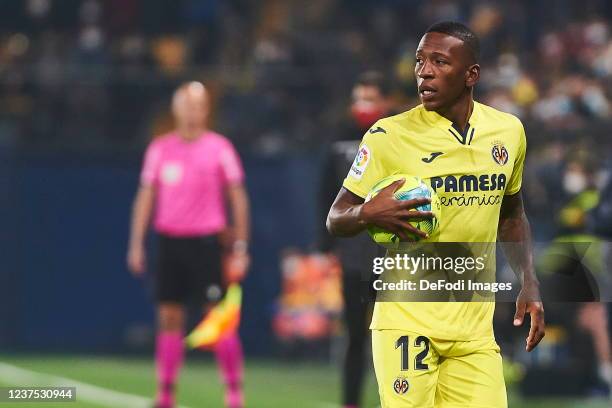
point(574, 182)
point(365, 115)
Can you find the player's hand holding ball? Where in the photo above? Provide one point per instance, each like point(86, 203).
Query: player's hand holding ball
point(401, 208)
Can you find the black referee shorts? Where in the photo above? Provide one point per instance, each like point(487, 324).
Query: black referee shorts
point(189, 270)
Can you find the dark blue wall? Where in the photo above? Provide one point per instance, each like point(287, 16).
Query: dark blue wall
point(64, 284)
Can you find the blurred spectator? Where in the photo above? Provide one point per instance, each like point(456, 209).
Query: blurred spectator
point(573, 267)
point(285, 66)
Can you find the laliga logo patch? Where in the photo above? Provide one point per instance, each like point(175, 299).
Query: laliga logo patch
point(171, 173)
point(401, 386)
point(361, 162)
point(362, 157)
point(499, 153)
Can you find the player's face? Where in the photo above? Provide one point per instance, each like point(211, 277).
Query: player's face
point(190, 107)
point(443, 71)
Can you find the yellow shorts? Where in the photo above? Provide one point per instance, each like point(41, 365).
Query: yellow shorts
point(415, 371)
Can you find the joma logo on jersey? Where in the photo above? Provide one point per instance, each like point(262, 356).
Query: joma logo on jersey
point(469, 182)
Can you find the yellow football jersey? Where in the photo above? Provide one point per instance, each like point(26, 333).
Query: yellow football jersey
point(471, 172)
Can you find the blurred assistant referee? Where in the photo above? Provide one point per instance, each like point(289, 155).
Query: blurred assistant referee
point(186, 178)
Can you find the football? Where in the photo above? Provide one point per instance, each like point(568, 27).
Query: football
point(412, 188)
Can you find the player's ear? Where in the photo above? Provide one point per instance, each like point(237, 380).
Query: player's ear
point(472, 75)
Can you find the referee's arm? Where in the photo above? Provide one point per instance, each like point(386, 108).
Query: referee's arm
point(239, 203)
point(141, 214)
point(239, 259)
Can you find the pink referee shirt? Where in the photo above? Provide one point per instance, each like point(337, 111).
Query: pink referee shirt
point(190, 178)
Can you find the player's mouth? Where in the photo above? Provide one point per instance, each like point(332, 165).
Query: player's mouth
point(426, 92)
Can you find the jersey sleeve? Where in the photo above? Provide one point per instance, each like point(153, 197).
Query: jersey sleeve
point(231, 166)
point(369, 166)
point(516, 179)
point(150, 167)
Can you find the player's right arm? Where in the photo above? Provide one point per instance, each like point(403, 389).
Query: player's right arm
point(142, 210)
point(349, 214)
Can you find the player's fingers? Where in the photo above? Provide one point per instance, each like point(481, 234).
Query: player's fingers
point(413, 214)
point(402, 234)
point(415, 202)
point(536, 334)
point(412, 231)
point(398, 228)
point(392, 188)
point(397, 184)
point(536, 310)
point(537, 329)
point(519, 315)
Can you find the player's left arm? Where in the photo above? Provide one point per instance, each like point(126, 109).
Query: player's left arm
point(514, 233)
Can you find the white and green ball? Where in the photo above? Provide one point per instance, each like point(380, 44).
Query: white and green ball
point(412, 188)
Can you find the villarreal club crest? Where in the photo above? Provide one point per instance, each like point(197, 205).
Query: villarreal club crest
point(400, 385)
point(499, 153)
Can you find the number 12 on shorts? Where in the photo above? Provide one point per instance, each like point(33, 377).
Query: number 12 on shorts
point(402, 343)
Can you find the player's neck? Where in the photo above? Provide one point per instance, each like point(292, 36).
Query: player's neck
point(189, 134)
point(459, 114)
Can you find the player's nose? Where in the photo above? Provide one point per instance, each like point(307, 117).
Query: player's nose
point(425, 70)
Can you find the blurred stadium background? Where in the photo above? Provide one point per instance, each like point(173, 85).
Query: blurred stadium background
point(84, 84)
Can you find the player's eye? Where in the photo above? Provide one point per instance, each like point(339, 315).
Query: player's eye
point(419, 60)
point(441, 62)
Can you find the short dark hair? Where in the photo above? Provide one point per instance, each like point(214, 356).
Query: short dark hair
point(376, 79)
point(460, 31)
